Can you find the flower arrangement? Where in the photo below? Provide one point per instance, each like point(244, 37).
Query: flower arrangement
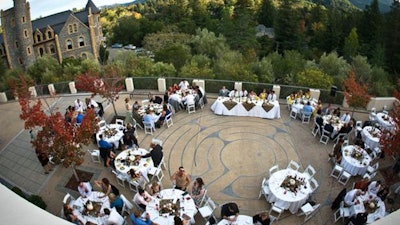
point(168, 207)
point(385, 117)
point(357, 155)
point(371, 205)
point(375, 132)
point(109, 132)
point(292, 183)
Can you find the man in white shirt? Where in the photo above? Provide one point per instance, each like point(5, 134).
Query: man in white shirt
point(346, 117)
point(188, 99)
point(243, 93)
point(234, 93)
point(78, 105)
point(175, 97)
point(271, 96)
point(85, 189)
point(183, 85)
point(351, 196)
point(374, 186)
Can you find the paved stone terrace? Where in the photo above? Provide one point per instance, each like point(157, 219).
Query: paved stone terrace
point(232, 155)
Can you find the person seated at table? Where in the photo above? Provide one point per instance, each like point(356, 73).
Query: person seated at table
point(129, 137)
point(150, 118)
point(264, 94)
point(336, 112)
point(142, 198)
point(156, 99)
point(106, 187)
point(181, 179)
point(328, 127)
point(175, 87)
point(230, 211)
point(318, 108)
point(179, 221)
point(261, 219)
point(154, 188)
point(272, 96)
point(117, 202)
point(320, 121)
point(137, 219)
point(165, 112)
point(197, 191)
point(234, 94)
point(307, 95)
point(135, 175)
point(184, 84)
point(188, 99)
point(136, 105)
point(155, 153)
point(252, 95)
point(327, 109)
point(345, 129)
point(85, 189)
point(78, 105)
point(351, 197)
point(337, 151)
point(79, 118)
point(176, 101)
point(359, 142)
point(307, 109)
point(243, 93)
point(103, 143)
point(383, 193)
point(106, 152)
point(223, 92)
point(374, 186)
point(70, 216)
point(345, 117)
point(299, 94)
point(362, 184)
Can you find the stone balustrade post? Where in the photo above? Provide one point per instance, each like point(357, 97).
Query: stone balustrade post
point(162, 87)
point(33, 92)
point(315, 93)
point(52, 90)
point(129, 84)
point(277, 90)
point(72, 88)
point(3, 97)
point(238, 86)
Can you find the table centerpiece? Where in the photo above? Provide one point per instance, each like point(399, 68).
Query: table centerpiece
point(92, 208)
point(292, 183)
point(371, 205)
point(168, 207)
point(109, 132)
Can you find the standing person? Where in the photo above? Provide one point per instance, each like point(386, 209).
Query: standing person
point(197, 191)
point(128, 111)
point(85, 189)
point(44, 161)
point(106, 187)
point(181, 179)
point(156, 154)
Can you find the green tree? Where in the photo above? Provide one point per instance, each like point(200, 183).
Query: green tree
point(230, 66)
point(199, 66)
point(362, 69)
point(264, 70)
point(103, 55)
point(46, 69)
point(314, 78)
point(287, 66)
point(380, 84)
point(392, 41)
point(266, 14)
point(163, 70)
point(207, 43)
point(351, 44)
point(176, 54)
point(336, 67)
point(165, 39)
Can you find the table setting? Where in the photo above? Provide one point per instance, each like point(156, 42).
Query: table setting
point(290, 188)
point(112, 133)
point(371, 136)
point(154, 107)
point(131, 159)
point(244, 106)
point(335, 121)
point(171, 202)
point(370, 204)
point(385, 121)
point(300, 102)
point(355, 160)
point(91, 208)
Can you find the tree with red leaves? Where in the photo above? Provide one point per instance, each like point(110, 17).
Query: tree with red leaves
point(355, 93)
point(107, 86)
point(55, 136)
point(390, 139)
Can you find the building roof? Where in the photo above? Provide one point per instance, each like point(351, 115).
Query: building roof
point(92, 6)
point(56, 21)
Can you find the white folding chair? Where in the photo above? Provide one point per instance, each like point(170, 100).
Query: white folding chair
point(120, 178)
point(309, 172)
point(168, 120)
point(68, 199)
point(316, 129)
point(136, 124)
point(293, 113)
point(276, 211)
point(264, 190)
point(314, 184)
point(273, 169)
point(305, 118)
point(336, 171)
point(119, 122)
point(148, 128)
point(207, 210)
point(340, 136)
point(372, 169)
point(191, 108)
point(341, 213)
point(344, 177)
point(325, 136)
point(203, 198)
point(309, 211)
point(133, 185)
point(358, 127)
point(102, 123)
point(94, 155)
point(127, 205)
point(293, 165)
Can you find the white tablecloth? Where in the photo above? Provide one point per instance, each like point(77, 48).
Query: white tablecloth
point(335, 122)
point(189, 208)
point(352, 165)
point(360, 208)
point(371, 140)
point(144, 166)
point(113, 139)
point(288, 199)
point(386, 124)
point(238, 110)
point(240, 220)
point(79, 203)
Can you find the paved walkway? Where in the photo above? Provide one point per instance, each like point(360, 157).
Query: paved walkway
point(231, 154)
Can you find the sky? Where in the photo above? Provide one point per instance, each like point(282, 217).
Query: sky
point(47, 7)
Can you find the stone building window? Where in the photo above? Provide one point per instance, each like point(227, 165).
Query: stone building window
point(81, 41)
point(41, 51)
point(75, 27)
point(28, 50)
point(39, 38)
point(49, 35)
point(23, 19)
point(70, 30)
point(52, 49)
point(16, 44)
point(25, 33)
point(69, 44)
point(20, 61)
point(84, 56)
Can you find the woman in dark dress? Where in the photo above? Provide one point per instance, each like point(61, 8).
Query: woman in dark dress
point(44, 161)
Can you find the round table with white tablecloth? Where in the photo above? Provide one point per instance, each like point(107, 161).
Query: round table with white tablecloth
point(364, 201)
point(240, 220)
point(385, 121)
point(355, 160)
point(112, 133)
point(286, 198)
point(371, 135)
point(99, 203)
point(335, 121)
point(125, 161)
point(187, 208)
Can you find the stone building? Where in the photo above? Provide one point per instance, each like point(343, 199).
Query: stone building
point(62, 35)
